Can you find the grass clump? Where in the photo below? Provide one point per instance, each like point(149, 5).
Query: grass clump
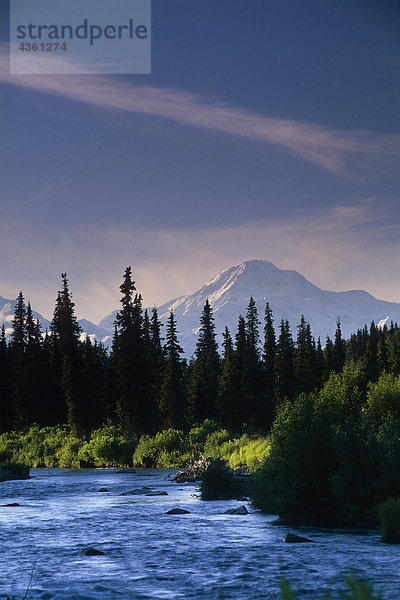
point(389, 513)
point(11, 470)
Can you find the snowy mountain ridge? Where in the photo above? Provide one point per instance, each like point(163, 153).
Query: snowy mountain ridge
point(289, 294)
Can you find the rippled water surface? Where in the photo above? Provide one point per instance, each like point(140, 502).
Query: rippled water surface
point(148, 554)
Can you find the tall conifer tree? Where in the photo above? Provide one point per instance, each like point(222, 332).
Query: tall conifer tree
point(65, 337)
point(134, 401)
point(6, 398)
point(205, 374)
point(339, 352)
point(284, 371)
point(305, 359)
point(172, 400)
point(253, 380)
point(230, 409)
point(268, 365)
point(17, 362)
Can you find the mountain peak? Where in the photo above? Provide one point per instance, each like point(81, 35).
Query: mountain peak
point(289, 294)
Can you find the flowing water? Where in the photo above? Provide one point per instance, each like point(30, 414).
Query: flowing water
point(151, 555)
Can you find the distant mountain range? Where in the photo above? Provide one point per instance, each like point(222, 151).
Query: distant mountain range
point(95, 332)
point(289, 294)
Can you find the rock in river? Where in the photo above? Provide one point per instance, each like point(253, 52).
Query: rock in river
point(91, 552)
point(292, 538)
point(178, 511)
point(242, 510)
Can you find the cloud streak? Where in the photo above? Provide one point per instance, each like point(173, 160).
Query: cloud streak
point(337, 151)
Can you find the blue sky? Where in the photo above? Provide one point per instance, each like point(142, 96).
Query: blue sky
point(267, 129)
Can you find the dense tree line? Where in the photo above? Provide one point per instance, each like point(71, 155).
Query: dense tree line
point(144, 383)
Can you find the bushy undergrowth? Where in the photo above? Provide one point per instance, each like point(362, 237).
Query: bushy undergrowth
point(107, 447)
point(174, 448)
point(12, 470)
point(166, 449)
point(58, 447)
point(389, 513)
point(218, 482)
point(334, 454)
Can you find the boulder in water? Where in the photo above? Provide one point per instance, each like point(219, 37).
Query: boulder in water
point(103, 490)
point(292, 538)
point(91, 552)
point(178, 511)
point(241, 510)
point(12, 504)
point(137, 491)
point(155, 493)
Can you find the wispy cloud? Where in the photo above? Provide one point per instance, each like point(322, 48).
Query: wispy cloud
point(340, 152)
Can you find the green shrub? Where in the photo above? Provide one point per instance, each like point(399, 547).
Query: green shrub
point(167, 449)
point(108, 447)
point(389, 513)
point(214, 441)
point(197, 436)
point(11, 470)
point(218, 482)
point(324, 463)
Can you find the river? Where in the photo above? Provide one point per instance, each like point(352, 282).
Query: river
point(151, 555)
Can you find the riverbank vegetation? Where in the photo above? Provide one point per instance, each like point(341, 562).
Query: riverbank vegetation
point(11, 470)
point(332, 407)
point(108, 447)
point(335, 454)
point(389, 514)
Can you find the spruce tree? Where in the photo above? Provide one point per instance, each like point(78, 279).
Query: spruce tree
point(18, 364)
point(65, 337)
point(6, 398)
point(268, 365)
point(242, 415)
point(305, 359)
point(319, 365)
point(253, 376)
point(229, 411)
point(172, 399)
point(329, 361)
point(94, 360)
point(205, 374)
point(156, 362)
point(339, 352)
point(134, 401)
point(284, 371)
point(382, 352)
point(371, 354)
point(35, 372)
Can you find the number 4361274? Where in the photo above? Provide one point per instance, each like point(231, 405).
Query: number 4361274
point(42, 47)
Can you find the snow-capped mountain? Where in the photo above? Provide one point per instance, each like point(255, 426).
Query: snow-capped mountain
point(289, 294)
point(89, 329)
